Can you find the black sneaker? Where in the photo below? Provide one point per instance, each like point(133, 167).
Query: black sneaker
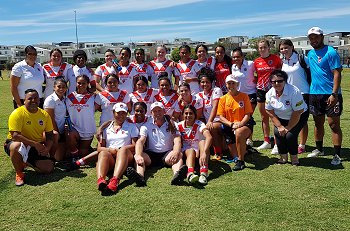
point(72, 166)
point(135, 177)
point(240, 165)
point(179, 176)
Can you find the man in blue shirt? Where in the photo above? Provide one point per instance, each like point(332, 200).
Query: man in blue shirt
point(325, 92)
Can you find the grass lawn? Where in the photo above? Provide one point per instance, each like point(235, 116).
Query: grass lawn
point(264, 196)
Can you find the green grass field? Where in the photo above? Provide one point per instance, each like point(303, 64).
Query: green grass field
point(264, 196)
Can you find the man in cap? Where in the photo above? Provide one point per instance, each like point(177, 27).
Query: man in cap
point(325, 92)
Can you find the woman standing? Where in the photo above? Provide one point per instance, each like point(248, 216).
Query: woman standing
point(203, 59)
point(187, 70)
point(143, 93)
point(81, 109)
point(54, 69)
point(125, 74)
point(105, 69)
point(235, 115)
point(27, 74)
point(140, 67)
point(166, 95)
point(193, 145)
point(223, 65)
point(79, 69)
point(244, 71)
point(264, 65)
point(288, 112)
point(161, 64)
point(297, 77)
point(106, 99)
point(116, 149)
point(56, 107)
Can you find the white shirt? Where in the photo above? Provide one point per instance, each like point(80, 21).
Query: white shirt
point(245, 76)
point(210, 63)
point(81, 109)
point(143, 69)
point(188, 70)
point(126, 78)
point(168, 102)
point(51, 72)
point(283, 106)
point(102, 71)
point(146, 97)
point(158, 138)
point(197, 102)
point(191, 135)
point(208, 99)
point(158, 68)
point(30, 77)
point(121, 137)
point(107, 100)
point(59, 107)
point(296, 74)
point(77, 72)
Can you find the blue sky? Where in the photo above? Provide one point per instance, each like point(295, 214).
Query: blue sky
point(30, 22)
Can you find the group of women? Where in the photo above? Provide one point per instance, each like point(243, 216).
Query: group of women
point(166, 122)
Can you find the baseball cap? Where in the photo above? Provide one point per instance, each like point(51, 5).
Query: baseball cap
point(315, 30)
point(120, 107)
point(157, 104)
point(231, 78)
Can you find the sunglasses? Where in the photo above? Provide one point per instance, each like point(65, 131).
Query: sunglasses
point(277, 81)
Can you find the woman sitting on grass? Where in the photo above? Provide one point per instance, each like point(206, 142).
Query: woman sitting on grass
point(116, 149)
point(235, 115)
point(193, 145)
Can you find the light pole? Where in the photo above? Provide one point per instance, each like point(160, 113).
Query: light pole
point(76, 28)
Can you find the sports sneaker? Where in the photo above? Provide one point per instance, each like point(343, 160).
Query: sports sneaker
point(301, 149)
point(135, 177)
point(203, 179)
point(274, 151)
point(240, 165)
point(315, 153)
point(101, 184)
point(112, 185)
point(264, 145)
point(179, 176)
point(336, 160)
point(72, 166)
point(19, 179)
point(249, 142)
point(192, 178)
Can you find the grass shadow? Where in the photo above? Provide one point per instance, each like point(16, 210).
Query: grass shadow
point(218, 168)
point(259, 160)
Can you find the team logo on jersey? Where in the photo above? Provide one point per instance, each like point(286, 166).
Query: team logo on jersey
point(270, 62)
point(28, 123)
point(319, 59)
point(225, 66)
point(287, 102)
point(241, 104)
point(38, 69)
point(41, 122)
point(245, 69)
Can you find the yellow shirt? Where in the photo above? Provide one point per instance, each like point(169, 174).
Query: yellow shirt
point(30, 125)
point(234, 108)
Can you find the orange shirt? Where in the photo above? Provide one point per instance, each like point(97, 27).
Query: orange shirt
point(234, 108)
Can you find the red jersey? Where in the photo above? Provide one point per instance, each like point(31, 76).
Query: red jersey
point(222, 70)
point(264, 67)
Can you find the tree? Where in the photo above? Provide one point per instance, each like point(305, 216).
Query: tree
point(176, 57)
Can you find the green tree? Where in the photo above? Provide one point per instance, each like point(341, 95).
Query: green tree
point(176, 57)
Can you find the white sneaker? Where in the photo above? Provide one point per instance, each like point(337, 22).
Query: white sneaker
point(336, 160)
point(192, 178)
point(203, 179)
point(274, 151)
point(315, 153)
point(250, 142)
point(264, 145)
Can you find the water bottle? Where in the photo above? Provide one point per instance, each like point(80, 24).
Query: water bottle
point(115, 61)
point(67, 123)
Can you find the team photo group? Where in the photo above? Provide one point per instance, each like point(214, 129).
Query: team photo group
point(172, 114)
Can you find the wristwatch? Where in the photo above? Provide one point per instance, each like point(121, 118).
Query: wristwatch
point(335, 95)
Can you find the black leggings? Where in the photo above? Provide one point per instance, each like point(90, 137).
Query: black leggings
point(289, 142)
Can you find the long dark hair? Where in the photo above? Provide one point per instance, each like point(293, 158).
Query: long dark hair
point(227, 58)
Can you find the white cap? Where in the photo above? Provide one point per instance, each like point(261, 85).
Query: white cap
point(315, 30)
point(157, 104)
point(231, 78)
point(120, 107)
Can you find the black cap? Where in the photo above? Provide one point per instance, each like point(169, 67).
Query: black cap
point(79, 53)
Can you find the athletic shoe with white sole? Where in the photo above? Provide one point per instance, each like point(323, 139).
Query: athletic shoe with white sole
point(192, 178)
point(274, 151)
point(265, 145)
point(336, 160)
point(249, 142)
point(203, 179)
point(315, 153)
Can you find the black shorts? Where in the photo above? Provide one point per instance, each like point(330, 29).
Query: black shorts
point(33, 154)
point(318, 106)
point(253, 99)
point(230, 136)
point(157, 158)
point(261, 96)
